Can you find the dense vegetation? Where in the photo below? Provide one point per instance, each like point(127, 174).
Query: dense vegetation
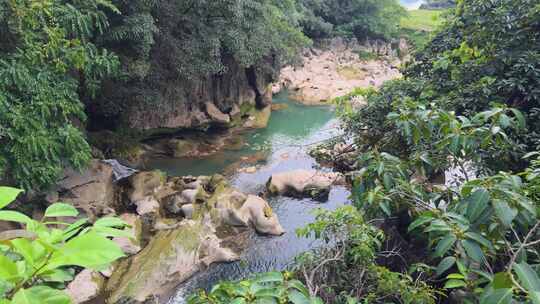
point(419, 26)
point(466, 111)
point(54, 56)
point(351, 18)
point(48, 63)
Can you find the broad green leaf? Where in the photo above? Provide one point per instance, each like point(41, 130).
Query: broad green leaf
point(112, 232)
point(8, 195)
point(444, 245)
point(42, 295)
point(477, 203)
point(445, 264)
point(74, 228)
point(270, 277)
point(527, 276)
point(265, 301)
point(502, 280)
point(498, 296)
point(473, 250)
point(61, 210)
point(519, 117)
point(296, 297)
point(479, 239)
point(535, 296)
point(14, 216)
point(419, 222)
point(316, 301)
point(89, 250)
point(239, 301)
point(458, 276)
point(59, 275)
point(267, 292)
point(504, 212)
point(298, 286)
point(26, 249)
point(8, 269)
point(110, 222)
point(454, 284)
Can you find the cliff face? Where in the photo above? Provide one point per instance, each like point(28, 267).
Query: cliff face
point(159, 101)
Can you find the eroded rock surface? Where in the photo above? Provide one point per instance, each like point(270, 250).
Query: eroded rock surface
point(182, 226)
point(92, 191)
point(337, 68)
point(86, 286)
point(304, 183)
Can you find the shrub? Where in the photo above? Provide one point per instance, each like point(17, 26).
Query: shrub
point(37, 261)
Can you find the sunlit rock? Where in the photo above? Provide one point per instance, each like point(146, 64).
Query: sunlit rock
point(86, 286)
point(303, 183)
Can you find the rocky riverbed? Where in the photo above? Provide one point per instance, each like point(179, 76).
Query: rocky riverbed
point(191, 226)
point(337, 67)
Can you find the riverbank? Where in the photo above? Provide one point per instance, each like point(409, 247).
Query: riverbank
point(336, 67)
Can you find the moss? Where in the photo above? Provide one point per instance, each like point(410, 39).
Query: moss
point(261, 118)
point(135, 277)
point(182, 147)
point(350, 72)
point(268, 212)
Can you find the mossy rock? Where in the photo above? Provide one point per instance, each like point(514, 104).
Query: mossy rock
point(182, 148)
point(170, 258)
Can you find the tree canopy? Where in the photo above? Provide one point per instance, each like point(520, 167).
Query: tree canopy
point(48, 63)
point(351, 18)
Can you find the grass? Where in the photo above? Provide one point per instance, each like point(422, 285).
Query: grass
point(419, 25)
point(422, 20)
point(350, 72)
point(366, 56)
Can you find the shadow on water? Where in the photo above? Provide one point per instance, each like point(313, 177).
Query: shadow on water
point(290, 133)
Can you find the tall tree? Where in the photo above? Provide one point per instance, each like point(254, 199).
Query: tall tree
point(47, 62)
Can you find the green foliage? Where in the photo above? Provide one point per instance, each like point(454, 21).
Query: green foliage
point(422, 20)
point(344, 269)
point(47, 62)
point(35, 263)
point(272, 287)
point(480, 58)
point(419, 26)
point(197, 37)
point(467, 108)
point(353, 18)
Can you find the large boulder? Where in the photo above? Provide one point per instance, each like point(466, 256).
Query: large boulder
point(303, 183)
point(259, 213)
point(132, 244)
point(144, 184)
point(216, 115)
point(171, 257)
point(259, 118)
point(91, 190)
point(237, 209)
point(86, 286)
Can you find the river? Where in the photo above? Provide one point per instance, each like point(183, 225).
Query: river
point(280, 147)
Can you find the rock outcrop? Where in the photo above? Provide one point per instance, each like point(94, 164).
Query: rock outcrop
point(177, 103)
point(304, 183)
point(178, 226)
point(86, 286)
point(336, 68)
point(92, 190)
point(171, 257)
